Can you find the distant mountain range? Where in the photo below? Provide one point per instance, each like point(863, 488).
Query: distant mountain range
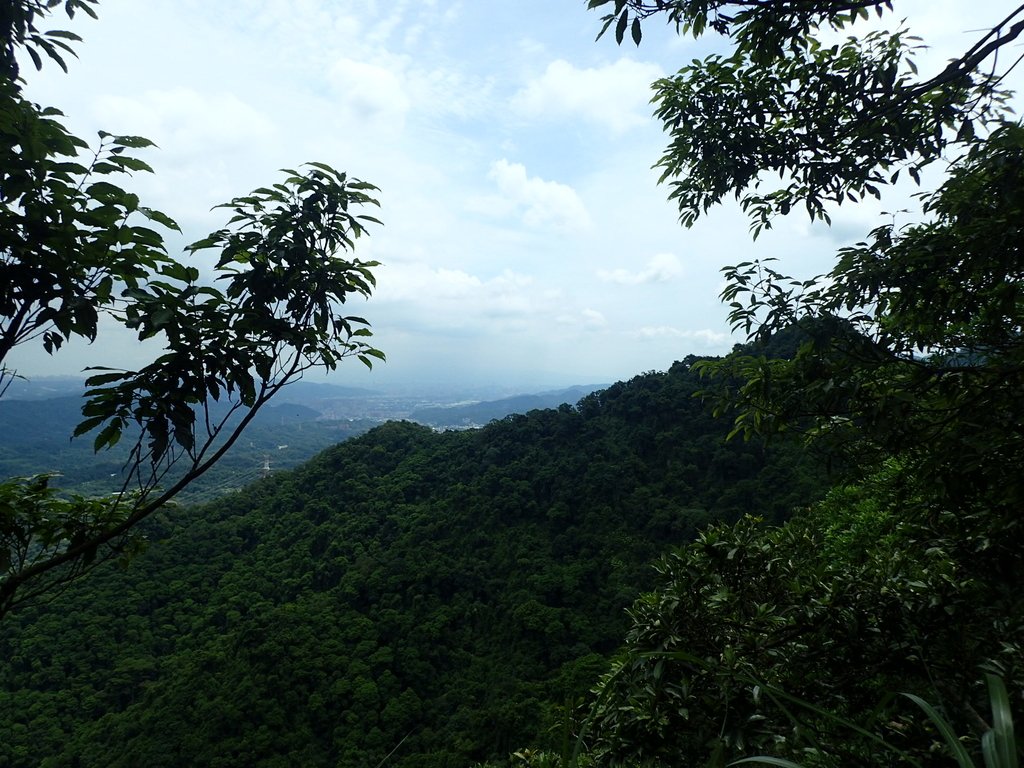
point(36, 424)
point(307, 391)
point(479, 414)
point(43, 388)
point(46, 387)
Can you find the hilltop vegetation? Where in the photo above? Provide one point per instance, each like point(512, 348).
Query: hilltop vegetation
point(447, 593)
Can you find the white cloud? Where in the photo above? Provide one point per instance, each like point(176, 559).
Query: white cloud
point(206, 141)
point(368, 92)
point(452, 298)
point(545, 204)
point(446, 91)
point(186, 120)
point(705, 336)
point(491, 269)
point(616, 96)
point(588, 319)
point(410, 282)
point(660, 269)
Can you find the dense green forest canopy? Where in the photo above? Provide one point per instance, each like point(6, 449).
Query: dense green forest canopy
point(445, 594)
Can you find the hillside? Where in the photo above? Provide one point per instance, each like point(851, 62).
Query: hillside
point(440, 594)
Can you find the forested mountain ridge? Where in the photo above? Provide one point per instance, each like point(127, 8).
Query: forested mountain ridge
point(438, 593)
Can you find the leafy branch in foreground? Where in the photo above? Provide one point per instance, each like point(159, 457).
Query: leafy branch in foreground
point(227, 352)
point(827, 123)
point(909, 367)
point(912, 344)
point(78, 251)
point(18, 29)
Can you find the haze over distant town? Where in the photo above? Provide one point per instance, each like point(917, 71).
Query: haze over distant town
point(526, 241)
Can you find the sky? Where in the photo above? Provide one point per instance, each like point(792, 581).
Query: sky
point(526, 242)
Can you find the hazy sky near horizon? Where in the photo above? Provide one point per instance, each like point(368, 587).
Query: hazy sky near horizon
point(525, 238)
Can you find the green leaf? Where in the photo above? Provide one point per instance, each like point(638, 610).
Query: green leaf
point(88, 425)
point(1000, 748)
point(620, 27)
point(105, 191)
point(38, 62)
point(64, 35)
point(132, 163)
point(961, 755)
point(108, 437)
point(323, 167)
point(160, 218)
point(132, 142)
point(105, 378)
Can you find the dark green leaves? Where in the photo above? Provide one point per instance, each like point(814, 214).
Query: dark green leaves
point(284, 276)
point(69, 232)
point(18, 30)
point(620, 26)
point(791, 641)
point(912, 342)
point(38, 522)
point(75, 248)
point(832, 123)
point(905, 359)
point(818, 118)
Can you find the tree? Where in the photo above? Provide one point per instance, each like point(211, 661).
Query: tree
point(914, 339)
point(790, 641)
point(916, 342)
point(911, 357)
point(77, 250)
point(916, 347)
point(833, 122)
